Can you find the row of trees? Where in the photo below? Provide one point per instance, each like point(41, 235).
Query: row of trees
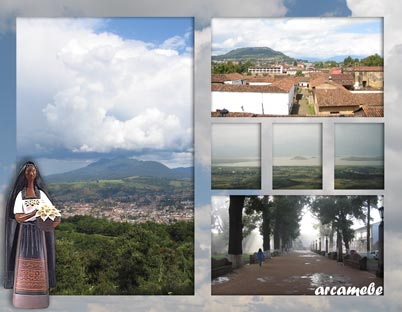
point(230, 67)
point(372, 60)
point(279, 217)
point(242, 67)
point(338, 214)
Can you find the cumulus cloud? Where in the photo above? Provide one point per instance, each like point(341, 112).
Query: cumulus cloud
point(204, 10)
point(202, 95)
point(90, 91)
point(296, 37)
point(366, 8)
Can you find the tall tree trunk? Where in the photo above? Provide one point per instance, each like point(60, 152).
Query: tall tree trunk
point(368, 227)
point(339, 244)
point(236, 230)
point(265, 230)
point(277, 237)
point(331, 239)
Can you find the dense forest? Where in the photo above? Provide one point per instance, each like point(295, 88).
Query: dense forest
point(100, 257)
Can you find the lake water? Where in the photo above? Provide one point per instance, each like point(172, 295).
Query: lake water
point(236, 162)
point(343, 161)
point(291, 161)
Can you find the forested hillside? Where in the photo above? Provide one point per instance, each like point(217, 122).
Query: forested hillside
point(100, 257)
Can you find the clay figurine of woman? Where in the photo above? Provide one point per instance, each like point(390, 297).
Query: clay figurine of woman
point(30, 251)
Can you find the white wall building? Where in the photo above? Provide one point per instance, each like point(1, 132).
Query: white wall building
point(271, 69)
point(257, 99)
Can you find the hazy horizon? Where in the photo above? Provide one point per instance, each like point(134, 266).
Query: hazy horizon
point(359, 140)
point(300, 141)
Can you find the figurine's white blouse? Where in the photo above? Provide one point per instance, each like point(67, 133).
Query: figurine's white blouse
point(30, 204)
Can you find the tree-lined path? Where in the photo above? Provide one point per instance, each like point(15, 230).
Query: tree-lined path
point(294, 273)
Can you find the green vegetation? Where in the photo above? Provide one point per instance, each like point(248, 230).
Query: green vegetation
point(359, 177)
point(229, 67)
point(297, 177)
point(299, 73)
point(225, 178)
point(311, 109)
point(123, 190)
point(100, 257)
point(326, 64)
point(372, 60)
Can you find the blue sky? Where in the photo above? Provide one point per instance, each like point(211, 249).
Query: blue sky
point(7, 107)
point(307, 38)
point(104, 87)
point(317, 8)
point(154, 30)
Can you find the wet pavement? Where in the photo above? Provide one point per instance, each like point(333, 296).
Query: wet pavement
point(294, 273)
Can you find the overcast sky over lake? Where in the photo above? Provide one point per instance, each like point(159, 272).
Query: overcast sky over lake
point(300, 37)
point(296, 140)
point(91, 88)
point(234, 141)
point(366, 140)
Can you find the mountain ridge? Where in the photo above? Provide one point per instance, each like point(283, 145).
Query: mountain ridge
point(119, 168)
point(253, 53)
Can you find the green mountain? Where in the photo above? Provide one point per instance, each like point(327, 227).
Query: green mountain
point(119, 168)
point(253, 54)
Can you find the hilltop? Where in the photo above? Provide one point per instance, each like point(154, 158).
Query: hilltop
point(253, 54)
point(119, 168)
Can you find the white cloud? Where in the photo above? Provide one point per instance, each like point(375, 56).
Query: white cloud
point(366, 8)
point(97, 92)
point(202, 95)
point(204, 10)
point(295, 37)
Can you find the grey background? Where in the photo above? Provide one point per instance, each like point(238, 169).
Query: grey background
point(203, 11)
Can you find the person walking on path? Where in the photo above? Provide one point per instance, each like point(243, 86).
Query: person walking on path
point(260, 256)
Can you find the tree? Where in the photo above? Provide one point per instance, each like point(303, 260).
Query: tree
point(299, 73)
point(367, 202)
point(332, 64)
point(348, 61)
point(339, 212)
point(373, 60)
point(235, 249)
point(286, 214)
point(319, 65)
point(261, 205)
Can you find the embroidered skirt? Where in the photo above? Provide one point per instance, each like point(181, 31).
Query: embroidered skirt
point(31, 273)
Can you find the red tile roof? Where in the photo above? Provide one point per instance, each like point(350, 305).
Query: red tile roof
point(248, 88)
point(259, 79)
point(364, 69)
point(373, 111)
point(343, 79)
point(339, 97)
point(221, 78)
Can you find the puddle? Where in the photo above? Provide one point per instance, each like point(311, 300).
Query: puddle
point(321, 279)
point(264, 279)
point(220, 280)
point(308, 256)
point(307, 263)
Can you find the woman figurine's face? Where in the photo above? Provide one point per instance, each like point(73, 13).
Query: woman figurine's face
point(30, 173)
